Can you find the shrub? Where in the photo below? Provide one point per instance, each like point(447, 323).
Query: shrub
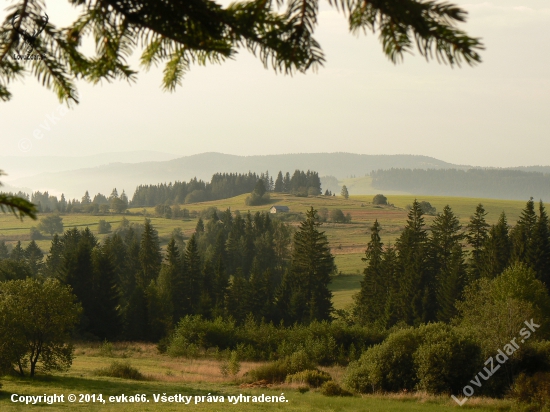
point(532, 390)
point(388, 366)
point(256, 200)
point(380, 200)
point(331, 388)
point(231, 366)
point(35, 234)
point(103, 227)
point(311, 377)
point(121, 370)
point(445, 360)
point(106, 349)
point(276, 372)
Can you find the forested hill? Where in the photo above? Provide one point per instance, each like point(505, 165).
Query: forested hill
point(485, 183)
point(102, 178)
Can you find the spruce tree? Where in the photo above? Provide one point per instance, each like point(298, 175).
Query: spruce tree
point(17, 253)
point(193, 276)
point(478, 232)
point(4, 253)
point(150, 257)
point(54, 259)
point(541, 246)
point(495, 256)
point(104, 319)
point(370, 302)
point(415, 297)
point(34, 257)
point(446, 262)
point(311, 267)
point(279, 183)
point(522, 235)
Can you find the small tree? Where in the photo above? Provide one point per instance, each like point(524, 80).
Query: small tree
point(104, 227)
point(344, 192)
point(380, 200)
point(36, 321)
point(51, 224)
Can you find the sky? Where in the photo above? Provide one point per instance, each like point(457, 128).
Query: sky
point(493, 114)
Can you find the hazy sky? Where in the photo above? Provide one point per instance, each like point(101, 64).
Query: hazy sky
point(495, 114)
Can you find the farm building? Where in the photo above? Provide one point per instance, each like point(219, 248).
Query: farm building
point(278, 209)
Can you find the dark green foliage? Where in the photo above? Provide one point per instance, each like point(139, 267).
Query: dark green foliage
point(380, 200)
point(34, 257)
point(14, 269)
point(35, 234)
point(337, 216)
point(331, 388)
point(17, 253)
point(150, 257)
point(370, 302)
point(103, 227)
point(495, 256)
point(4, 253)
point(344, 193)
point(523, 235)
point(277, 371)
point(309, 275)
point(532, 392)
point(310, 377)
point(51, 224)
point(264, 341)
point(122, 370)
point(434, 357)
point(478, 232)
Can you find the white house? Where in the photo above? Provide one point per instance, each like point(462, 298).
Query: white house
point(279, 209)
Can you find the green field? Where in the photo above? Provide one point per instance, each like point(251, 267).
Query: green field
point(198, 377)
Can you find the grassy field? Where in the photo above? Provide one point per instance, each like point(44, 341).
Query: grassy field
point(200, 377)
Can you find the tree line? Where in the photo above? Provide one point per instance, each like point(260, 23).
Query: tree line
point(423, 276)
point(231, 266)
point(484, 183)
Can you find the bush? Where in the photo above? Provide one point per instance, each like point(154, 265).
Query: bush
point(256, 200)
point(311, 377)
point(445, 360)
point(533, 391)
point(103, 227)
point(433, 357)
point(331, 388)
point(121, 370)
point(337, 216)
point(380, 200)
point(231, 366)
point(388, 366)
point(35, 234)
point(276, 372)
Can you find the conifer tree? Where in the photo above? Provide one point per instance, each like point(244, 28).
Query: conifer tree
point(238, 298)
point(523, 234)
point(344, 193)
point(4, 253)
point(193, 276)
point(150, 257)
point(279, 183)
point(446, 263)
point(370, 302)
point(541, 246)
point(478, 232)
point(17, 253)
point(54, 259)
point(104, 318)
point(415, 297)
point(497, 250)
point(311, 267)
point(34, 257)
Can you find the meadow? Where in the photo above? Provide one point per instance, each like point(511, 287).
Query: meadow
point(198, 377)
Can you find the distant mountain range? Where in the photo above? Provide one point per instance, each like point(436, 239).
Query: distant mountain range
point(126, 170)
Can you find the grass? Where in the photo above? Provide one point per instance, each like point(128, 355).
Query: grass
point(201, 377)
